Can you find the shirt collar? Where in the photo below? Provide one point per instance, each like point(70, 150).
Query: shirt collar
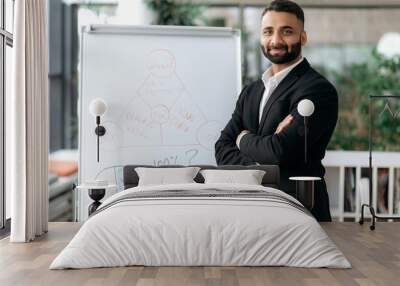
point(268, 78)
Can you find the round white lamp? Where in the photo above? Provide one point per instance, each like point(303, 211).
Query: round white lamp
point(305, 108)
point(97, 108)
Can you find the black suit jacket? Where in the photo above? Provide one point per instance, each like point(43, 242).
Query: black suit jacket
point(285, 149)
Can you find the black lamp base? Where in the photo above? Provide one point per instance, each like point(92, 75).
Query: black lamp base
point(93, 207)
point(96, 195)
point(100, 130)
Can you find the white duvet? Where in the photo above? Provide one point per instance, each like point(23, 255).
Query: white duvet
point(200, 231)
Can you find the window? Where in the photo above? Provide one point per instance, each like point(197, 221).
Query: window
point(6, 43)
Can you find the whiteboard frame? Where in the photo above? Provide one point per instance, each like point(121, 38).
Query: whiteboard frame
point(142, 30)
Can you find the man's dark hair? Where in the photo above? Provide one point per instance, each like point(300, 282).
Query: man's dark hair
point(285, 6)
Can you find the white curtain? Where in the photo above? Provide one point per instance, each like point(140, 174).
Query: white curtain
point(27, 123)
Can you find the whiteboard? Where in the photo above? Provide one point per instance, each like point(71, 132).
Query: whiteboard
point(169, 90)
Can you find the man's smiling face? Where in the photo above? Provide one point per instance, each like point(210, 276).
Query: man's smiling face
point(282, 35)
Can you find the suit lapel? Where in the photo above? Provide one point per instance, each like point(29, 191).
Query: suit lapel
point(255, 105)
point(285, 84)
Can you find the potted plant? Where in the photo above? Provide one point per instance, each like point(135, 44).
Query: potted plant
point(172, 12)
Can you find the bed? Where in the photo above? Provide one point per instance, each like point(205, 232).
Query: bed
point(201, 224)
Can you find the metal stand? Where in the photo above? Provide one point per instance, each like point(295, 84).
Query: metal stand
point(100, 131)
point(370, 204)
point(305, 140)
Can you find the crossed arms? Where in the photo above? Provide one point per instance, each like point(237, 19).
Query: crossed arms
point(288, 139)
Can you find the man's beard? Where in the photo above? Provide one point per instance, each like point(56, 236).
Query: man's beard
point(286, 57)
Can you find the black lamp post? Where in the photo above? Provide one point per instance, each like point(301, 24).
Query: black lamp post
point(97, 108)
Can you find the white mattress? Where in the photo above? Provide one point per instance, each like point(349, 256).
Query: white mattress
point(200, 231)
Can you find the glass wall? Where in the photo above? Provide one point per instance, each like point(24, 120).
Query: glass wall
point(341, 45)
point(65, 23)
point(339, 41)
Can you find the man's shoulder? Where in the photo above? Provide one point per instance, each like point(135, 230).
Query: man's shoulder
point(254, 85)
point(312, 79)
point(251, 88)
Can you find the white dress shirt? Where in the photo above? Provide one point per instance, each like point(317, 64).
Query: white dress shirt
point(271, 81)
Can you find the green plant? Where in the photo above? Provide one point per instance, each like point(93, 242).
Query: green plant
point(377, 77)
point(170, 12)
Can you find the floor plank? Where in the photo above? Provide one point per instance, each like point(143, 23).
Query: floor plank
point(374, 255)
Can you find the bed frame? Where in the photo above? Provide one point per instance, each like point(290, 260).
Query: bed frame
point(270, 179)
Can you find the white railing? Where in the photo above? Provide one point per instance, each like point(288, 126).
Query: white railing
point(347, 179)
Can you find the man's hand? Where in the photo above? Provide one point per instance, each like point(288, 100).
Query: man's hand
point(244, 132)
point(284, 123)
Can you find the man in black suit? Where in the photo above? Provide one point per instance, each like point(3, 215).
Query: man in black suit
point(265, 127)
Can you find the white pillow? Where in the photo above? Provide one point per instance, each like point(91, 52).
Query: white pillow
point(165, 176)
point(248, 177)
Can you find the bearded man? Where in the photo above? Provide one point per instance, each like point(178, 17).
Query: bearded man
point(265, 127)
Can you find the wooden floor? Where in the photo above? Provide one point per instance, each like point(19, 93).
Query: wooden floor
point(374, 255)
